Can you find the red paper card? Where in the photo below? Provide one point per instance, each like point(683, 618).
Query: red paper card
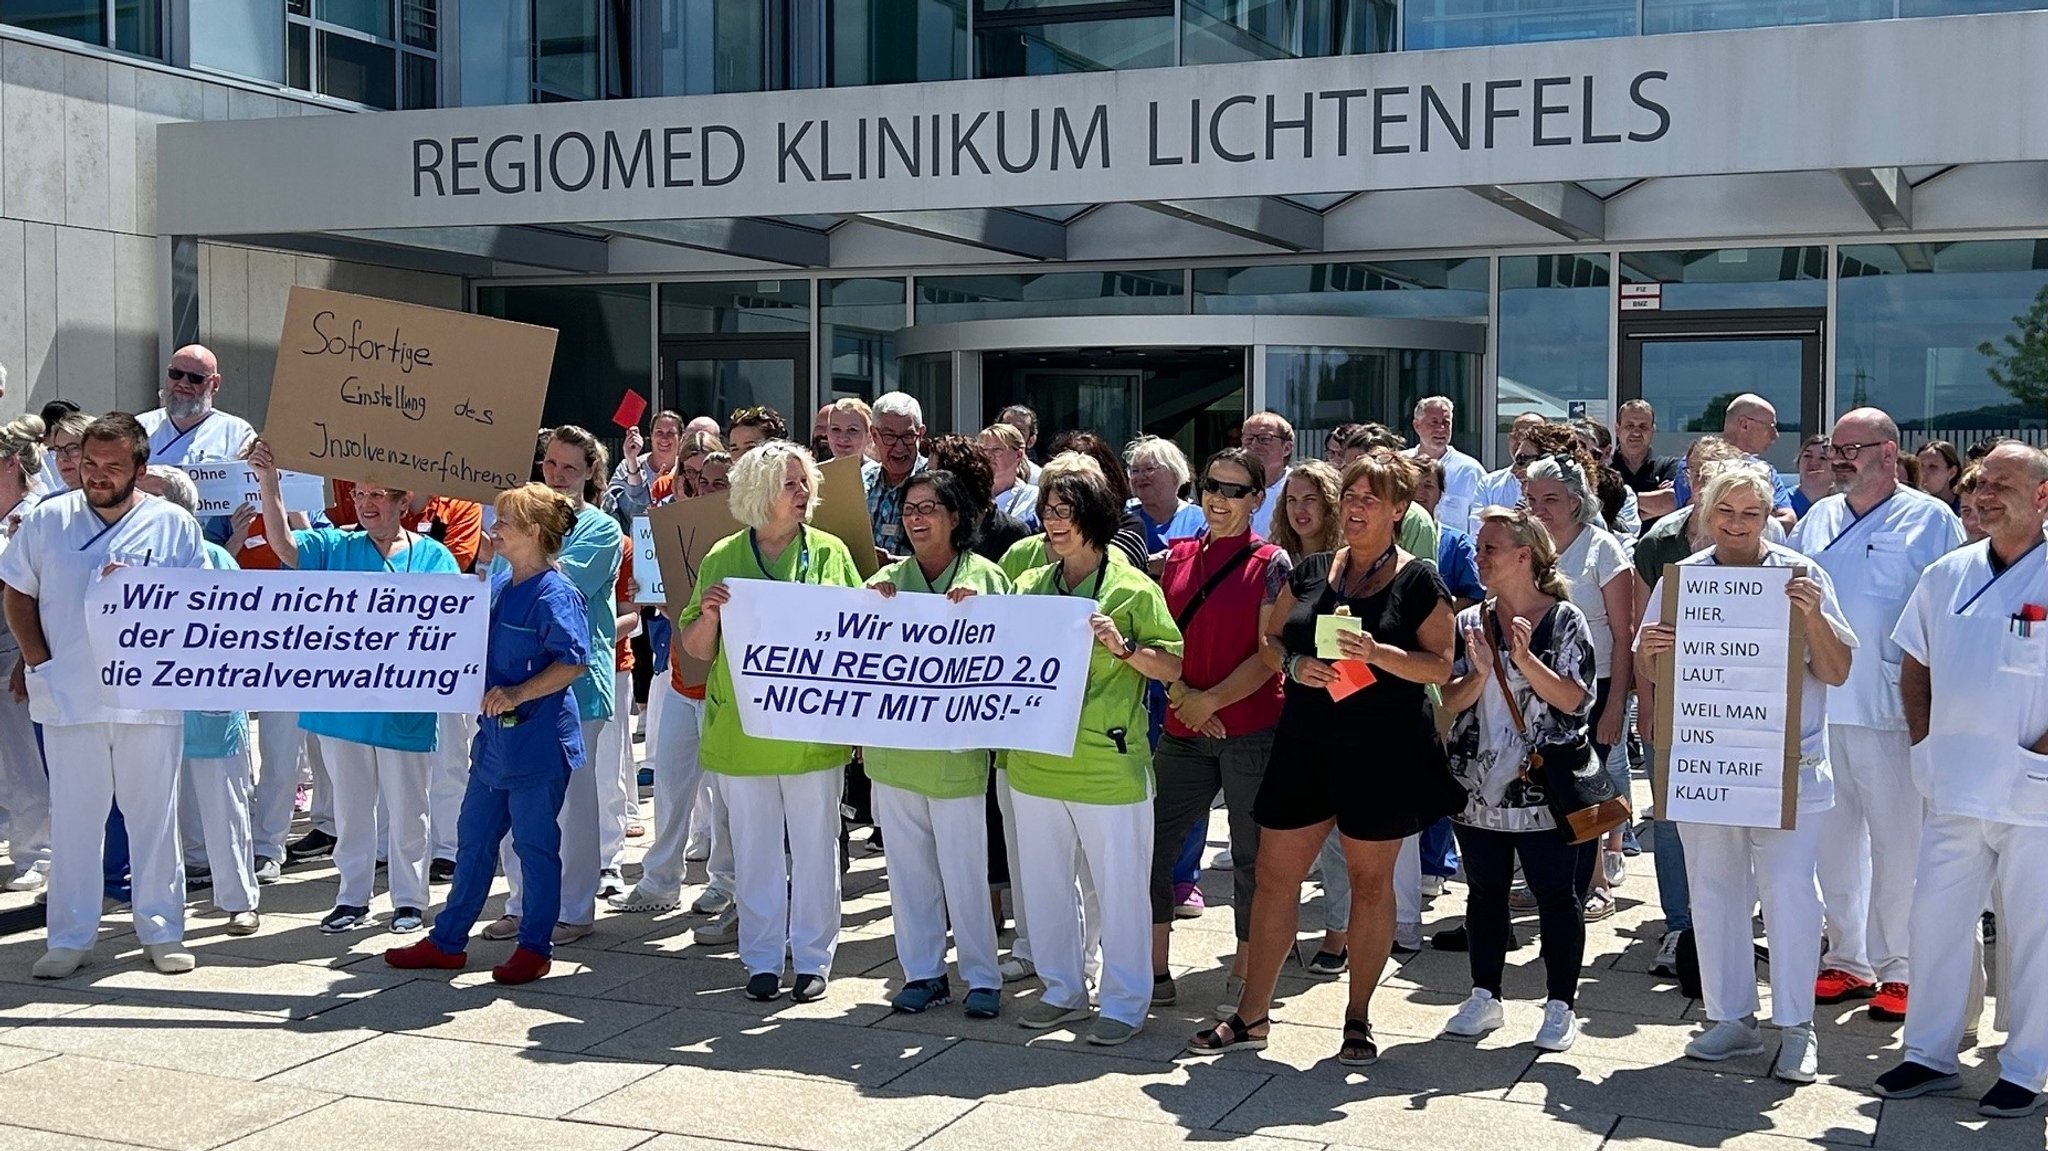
point(631, 407)
point(1353, 676)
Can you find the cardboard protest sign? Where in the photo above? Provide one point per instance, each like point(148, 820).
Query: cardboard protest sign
point(223, 487)
point(1728, 697)
point(647, 564)
point(844, 665)
point(683, 531)
point(419, 398)
point(843, 511)
point(192, 638)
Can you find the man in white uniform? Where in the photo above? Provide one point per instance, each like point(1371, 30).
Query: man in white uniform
point(1503, 488)
point(1462, 474)
point(1874, 538)
point(1270, 439)
point(1975, 684)
point(102, 754)
point(188, 429)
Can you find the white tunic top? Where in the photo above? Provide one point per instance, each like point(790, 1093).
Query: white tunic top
point(60, 550)
point(1875, 561)
point(1262, 520)
point(220, 436)
point(1462, 476)
point(1496, 489)
point(1990, 682)
point(1595, 558)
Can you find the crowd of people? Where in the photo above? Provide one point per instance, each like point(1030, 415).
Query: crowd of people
point(1484, 614)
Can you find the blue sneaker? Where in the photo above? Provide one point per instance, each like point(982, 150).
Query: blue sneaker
point(921, 995)
point(984, 1003)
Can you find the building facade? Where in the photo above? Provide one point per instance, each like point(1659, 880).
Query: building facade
point(1135, 216)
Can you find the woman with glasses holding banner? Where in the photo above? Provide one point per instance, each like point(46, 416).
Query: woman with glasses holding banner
point(933, 804)
point(775, 791)
point(1094, 808)
point(1221, 588)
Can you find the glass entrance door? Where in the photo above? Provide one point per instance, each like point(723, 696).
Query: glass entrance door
point(718, 376)
point(1690, 365)
point(1193, 396)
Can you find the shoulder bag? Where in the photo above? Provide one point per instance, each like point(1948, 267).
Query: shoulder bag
point(1580, 793)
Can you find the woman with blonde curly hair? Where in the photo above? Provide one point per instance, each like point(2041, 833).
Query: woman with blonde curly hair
point(1305, 523)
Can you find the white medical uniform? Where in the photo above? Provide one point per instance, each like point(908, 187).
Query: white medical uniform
point(1496, 489)
point(678, 726)
point(454, 736)
point(24, 785)
point(1731, 867)
point(1262, 519)
point(103, 754)
point(1870, 839)
point(1462, 477)
point(220, 436)
point(1987, 796)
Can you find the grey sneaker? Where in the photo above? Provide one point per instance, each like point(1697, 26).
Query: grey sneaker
point(267, 870)
point(1798, 1055)
point(1110, 1033)
point(643, 902)
point(723, 928)
point(1727, 1040)
point(1042, 1015)
point(712, 902)
point(1013, 970)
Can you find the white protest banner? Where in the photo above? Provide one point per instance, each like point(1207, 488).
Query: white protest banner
point(647, 564)
point(844, 665)
point(223, 487)
point(185, 638)
point(1728, 697)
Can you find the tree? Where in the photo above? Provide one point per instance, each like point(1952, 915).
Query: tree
point(1715, 416)
point(2020, 359)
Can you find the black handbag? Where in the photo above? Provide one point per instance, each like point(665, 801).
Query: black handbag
point(1581, 795)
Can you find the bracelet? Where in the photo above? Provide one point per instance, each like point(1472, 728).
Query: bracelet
point(1288, 664)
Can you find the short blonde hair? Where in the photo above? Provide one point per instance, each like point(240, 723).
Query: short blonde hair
point(1737, 476)
point(1007, 433)
point(757, 481)
point(541, 507)
point(1068, 463)
point(853, 404)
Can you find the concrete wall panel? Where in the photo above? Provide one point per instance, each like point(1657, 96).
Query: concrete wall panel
point(121, 151)
point(85, 320)
point(34, 172)
point(13, 314)
point(38, 370)
point(136, 361)
point(87, 203)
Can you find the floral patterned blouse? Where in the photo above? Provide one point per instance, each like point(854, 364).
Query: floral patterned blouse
point(1486, 751)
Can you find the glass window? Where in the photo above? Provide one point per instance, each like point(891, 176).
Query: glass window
point(896, 41)
point(1553, 337)
point(1229, 31)
point(372, 16)
point(1708, 279)
point(1320, 388)
point(603, 349)
point(857, 324)
point(359, 70)
point(245, 37)
point(945, 299)
point(929, 379)
point(1920, 328)
point(1958, 7)
point(383, 53)
point(139, 27)
point(728, 307)
point(67, 18)
point(1462, 23)
point(1093, 45)
point(722, 46)
point(497, 36)
point(1661, 16)
point(566, 37)
point(1388, 288)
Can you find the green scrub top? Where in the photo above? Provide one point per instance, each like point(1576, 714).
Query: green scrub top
point(1030, 552)
point(727, 749)
point(1418, 535)
point(1098, 772)
point(937, 774)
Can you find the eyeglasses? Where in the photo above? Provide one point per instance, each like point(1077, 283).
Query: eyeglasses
point(1267, 438)
point(362, 494)
point(175, 374)
point(896, 438)
point(1060, 512)
point(1848, 452)
point(1524, 459)
point(923, 508)
point(68, 451)
point(1229, 491)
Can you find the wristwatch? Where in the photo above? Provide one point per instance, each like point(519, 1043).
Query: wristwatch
point(1130, 649)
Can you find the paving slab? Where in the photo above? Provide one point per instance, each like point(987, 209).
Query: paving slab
point(232, 983)
point(378, 1125)
point(1691, 1093)
point(487, 1012)
point(27, 1139)
point(234, 1044)
point(477, 1076)
point(1632, 1134)
point(1008, 1126)
point(22, 1004)
point(1365, 1114)
point(802, 1114)
point(1191, 1094)
point(804, 1048)
point(172, 1110)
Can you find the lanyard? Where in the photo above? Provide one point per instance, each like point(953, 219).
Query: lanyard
point(1857, 520)
point(2001, 575)
point(410, 549)
point(803, 555)
point(1385, 558)
point(175, 440)
point(1059, 579)
point(951, 572)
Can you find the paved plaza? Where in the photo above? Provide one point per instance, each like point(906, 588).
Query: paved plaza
point(641, 1039)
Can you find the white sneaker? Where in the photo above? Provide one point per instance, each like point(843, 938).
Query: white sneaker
point(1013, 970)
point(1727, 1040)
point(1408, 937)
point(1480, 1014)
point(722, 929)
point(59, 962)
point(1614, 865)
point(1798, 1055)
point(712, 901)
point(29, 880)
point(169, 958)
point(1666, 962)
point(1222, 861)
point(1432, 886)
point(1560, 1027)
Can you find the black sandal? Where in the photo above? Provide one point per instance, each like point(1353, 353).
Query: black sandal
point(1358, 1049)
point(1232, 1033)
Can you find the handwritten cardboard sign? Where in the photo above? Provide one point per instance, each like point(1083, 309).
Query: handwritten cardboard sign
point(418, 398)
point(647, 564)
point(843, 511)
point(683, 531)
point(1728, 697)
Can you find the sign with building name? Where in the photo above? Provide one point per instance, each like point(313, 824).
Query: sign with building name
point(683, 531)
point(1728, 697)
point(422, 399)
point(223, 487)
point(192, 638)
point(1615, 108)
point(844, 665)
point(647, 564)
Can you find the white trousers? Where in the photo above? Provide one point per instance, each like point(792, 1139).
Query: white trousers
point(1960, 859)
point(618, 791)
point(1728, 868)
point(1020, 939)
point(24, 788)
point(362, 776)
point(280, 760)
point(1335, 875)
point(98, 765)
point(787, 902)
point(453, 739)
point(721, 867)
point(937, 850)
point(578, 822)
point(321, 814)
point(1114, 843)
point(213, 810)
point(675, 735)
point(1869, 846)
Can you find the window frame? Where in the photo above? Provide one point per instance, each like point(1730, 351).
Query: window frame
point(315, 28)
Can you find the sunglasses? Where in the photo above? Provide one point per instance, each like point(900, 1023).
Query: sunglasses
point(1229, 491)
point(175, 374)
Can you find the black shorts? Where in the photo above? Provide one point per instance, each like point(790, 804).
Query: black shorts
point(1376, 789)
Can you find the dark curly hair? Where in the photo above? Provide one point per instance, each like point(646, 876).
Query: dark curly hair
point(952, 493)
point(970, 465)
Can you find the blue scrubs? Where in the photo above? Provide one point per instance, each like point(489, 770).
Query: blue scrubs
point(520, 763)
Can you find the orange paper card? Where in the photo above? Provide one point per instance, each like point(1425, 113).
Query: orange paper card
point(1352, 676)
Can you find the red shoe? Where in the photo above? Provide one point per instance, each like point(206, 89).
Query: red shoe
point(1836, 985)
point(524, 967)
point(425, 956)
point(1889, 1004)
